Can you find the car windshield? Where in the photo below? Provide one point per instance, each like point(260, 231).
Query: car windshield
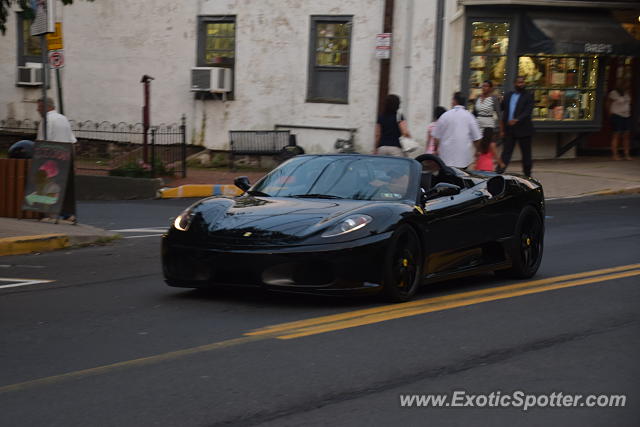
point(338, 177)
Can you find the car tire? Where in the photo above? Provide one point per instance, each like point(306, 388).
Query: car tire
point(527, 245)
point(402, 265)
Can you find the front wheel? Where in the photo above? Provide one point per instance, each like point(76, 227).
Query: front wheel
point(527, 246)
point(403, 265)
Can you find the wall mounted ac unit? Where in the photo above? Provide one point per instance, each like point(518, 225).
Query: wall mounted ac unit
point(30, 74)
point(211, 79)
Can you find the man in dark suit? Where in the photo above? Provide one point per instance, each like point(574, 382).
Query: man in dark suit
point(516, 125)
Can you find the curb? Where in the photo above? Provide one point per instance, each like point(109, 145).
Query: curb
point(27, 244)
point(49, 242)
point(199, 190)
point(628, 190)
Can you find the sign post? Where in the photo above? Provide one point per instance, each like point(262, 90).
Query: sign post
point(43, 23)
point(56, 59)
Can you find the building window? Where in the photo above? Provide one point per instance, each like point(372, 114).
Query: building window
point(28, 45)
point(217, 44)
point(564, 86)
point(488, 59)
point(330, 53)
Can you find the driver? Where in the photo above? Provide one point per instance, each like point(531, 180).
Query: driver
point(398, 182)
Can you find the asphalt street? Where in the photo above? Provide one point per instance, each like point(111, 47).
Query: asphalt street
point(102, 341)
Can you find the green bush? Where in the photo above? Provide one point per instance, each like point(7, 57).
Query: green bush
point(140, 169)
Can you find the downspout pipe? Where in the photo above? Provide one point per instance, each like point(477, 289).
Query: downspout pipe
point(437, 69)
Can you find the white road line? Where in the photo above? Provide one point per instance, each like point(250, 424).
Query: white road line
point(15, 282)
point(146, 235)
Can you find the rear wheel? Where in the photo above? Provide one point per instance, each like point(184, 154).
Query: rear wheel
point(527, 246)
point(403, 265)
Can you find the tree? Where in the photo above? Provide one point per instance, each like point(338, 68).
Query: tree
point(25, 5)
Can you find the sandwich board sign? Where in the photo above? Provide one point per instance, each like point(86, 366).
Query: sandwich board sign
point(50, 182)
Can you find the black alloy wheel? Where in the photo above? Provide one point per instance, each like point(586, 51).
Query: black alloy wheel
point(403, 265)
point(527, 245)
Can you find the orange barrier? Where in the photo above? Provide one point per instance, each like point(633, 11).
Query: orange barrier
point(13, 178)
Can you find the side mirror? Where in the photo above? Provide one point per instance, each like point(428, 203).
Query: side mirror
point(496, 185)
point(242, 182)
point(442, 189)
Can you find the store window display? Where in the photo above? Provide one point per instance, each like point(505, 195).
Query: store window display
point(564, 86)
point(488, 61)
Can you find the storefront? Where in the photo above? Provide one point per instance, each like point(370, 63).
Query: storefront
point(565, 56)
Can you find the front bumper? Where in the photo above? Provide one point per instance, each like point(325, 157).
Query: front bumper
point(353, 267)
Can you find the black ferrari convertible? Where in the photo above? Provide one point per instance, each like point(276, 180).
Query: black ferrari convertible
point(358, 223)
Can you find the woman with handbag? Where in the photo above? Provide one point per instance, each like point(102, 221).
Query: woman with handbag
point(487, 110)
point(390, 128)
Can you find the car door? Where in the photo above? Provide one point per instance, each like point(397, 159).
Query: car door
point(454, 228)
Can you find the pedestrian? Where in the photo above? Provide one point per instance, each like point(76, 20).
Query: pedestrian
point(431, 143)
point(487, 156)
point(619, 107)
point(487, 110)
point(390, 127)
point(58, 127)
point(516, 125)
point(456, 134)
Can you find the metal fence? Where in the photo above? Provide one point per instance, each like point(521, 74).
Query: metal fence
point(116, 148)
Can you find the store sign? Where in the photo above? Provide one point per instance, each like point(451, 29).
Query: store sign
point(383, 45)
point(598, 48)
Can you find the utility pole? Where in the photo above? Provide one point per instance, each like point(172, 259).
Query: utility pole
point(385, 64)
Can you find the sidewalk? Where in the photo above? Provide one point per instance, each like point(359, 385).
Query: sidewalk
point(560, 179)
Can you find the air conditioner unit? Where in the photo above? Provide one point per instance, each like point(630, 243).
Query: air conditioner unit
point(30, 74)
point(211, 79)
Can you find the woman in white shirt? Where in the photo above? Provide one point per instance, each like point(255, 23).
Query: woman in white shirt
point(620, 114)
point(487, 110)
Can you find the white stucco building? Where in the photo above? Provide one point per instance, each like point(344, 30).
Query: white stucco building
point(303, 63)
point(109, 45)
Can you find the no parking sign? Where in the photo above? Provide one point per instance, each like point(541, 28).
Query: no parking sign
point(56, 59)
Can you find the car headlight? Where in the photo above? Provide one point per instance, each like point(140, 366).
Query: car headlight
point(347, 225)
point(183, 220)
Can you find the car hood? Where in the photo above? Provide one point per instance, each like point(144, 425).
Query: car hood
point(269, 219)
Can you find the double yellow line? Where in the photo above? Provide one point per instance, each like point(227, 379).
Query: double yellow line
point(318, 325)
point(352, 319)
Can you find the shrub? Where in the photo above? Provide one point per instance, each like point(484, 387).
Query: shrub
point(140, 169)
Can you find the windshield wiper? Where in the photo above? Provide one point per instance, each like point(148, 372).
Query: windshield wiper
point(257, 193)
point(317, 196)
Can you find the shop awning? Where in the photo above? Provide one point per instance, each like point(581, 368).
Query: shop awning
point(553, 32)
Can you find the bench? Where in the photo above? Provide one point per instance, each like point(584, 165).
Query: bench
point(257, 142)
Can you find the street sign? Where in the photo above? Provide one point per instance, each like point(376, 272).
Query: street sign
point(56, 59)
point(383, 45)
point(54, 40)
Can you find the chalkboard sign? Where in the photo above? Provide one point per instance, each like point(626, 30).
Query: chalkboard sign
point(51, 179)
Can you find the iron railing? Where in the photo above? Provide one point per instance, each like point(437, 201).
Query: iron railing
point(105, 146)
